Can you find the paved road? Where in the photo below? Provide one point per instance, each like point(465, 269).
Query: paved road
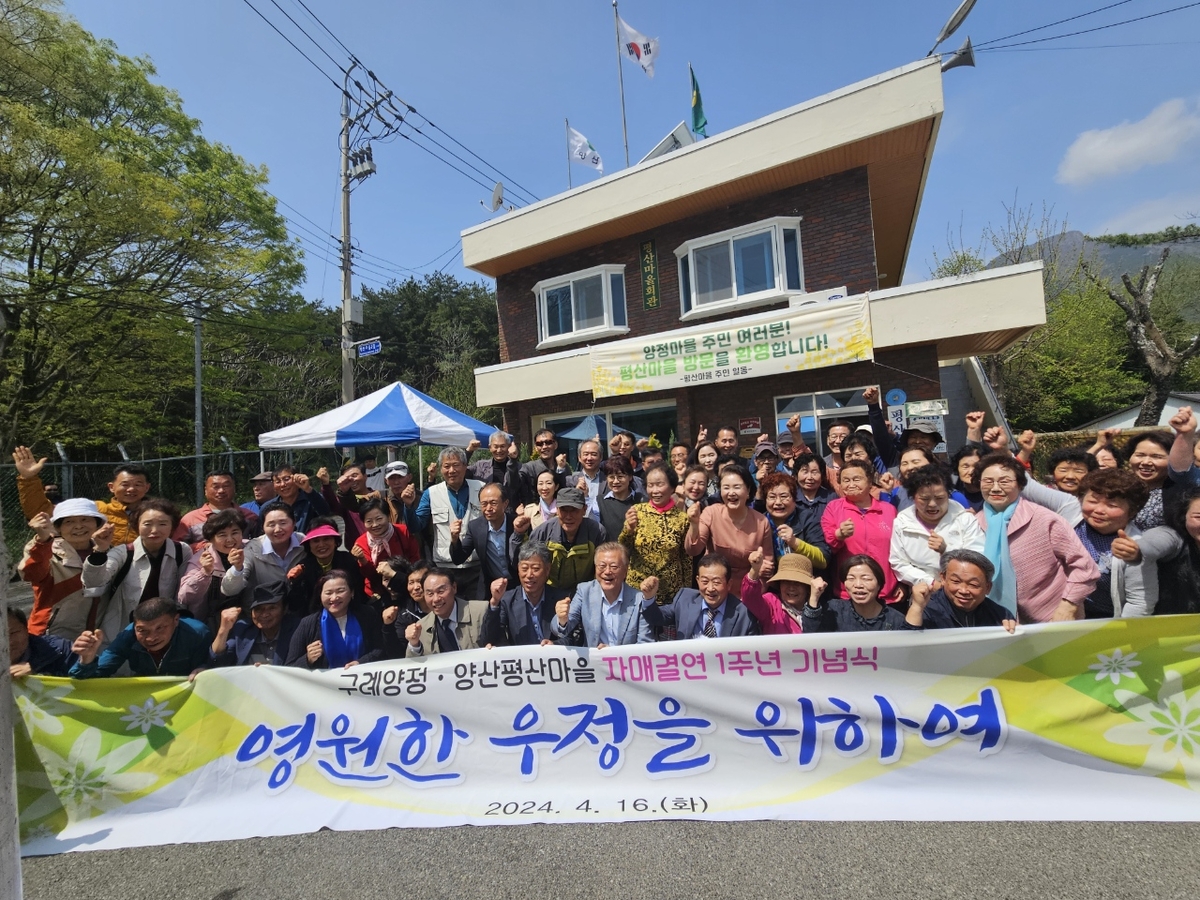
point(660, 860)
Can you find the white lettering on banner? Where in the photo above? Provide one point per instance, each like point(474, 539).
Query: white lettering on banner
point(969, 724)
point(787, 340)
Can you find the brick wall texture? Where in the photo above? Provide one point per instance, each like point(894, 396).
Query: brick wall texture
point(837, 243)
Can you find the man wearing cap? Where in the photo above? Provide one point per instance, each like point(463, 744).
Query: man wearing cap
point(919, 434)
point(779, 604)
point(787, 451)
point(443, 511)
point(263, 486)
point(401, 495)
point(571, 536)
point(764, 460)
point(219, 492)
point(264, 640)
point(500, 467)
point(52, 565)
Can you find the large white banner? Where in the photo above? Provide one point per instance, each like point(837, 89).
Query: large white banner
point(785, 340)
point(1074, 721)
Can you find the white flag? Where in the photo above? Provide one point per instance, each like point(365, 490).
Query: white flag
point(582, 151)
point(636, 46)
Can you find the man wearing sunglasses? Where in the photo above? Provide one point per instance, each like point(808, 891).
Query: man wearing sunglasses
point(548, 460)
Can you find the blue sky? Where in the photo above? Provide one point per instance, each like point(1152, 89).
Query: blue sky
point(1058, 127)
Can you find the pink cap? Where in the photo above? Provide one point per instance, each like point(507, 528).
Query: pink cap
point(321, 531)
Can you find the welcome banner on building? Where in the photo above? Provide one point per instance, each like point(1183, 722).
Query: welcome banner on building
point(1082, 720)
point(785, 340)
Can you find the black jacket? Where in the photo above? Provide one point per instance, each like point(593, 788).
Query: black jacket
point(940, 613)
point(509, 623)
point(474, 538)
point(309, 630)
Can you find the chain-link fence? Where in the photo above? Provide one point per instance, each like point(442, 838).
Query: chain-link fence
point(173, 478)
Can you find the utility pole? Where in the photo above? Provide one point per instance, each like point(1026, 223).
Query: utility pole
point(194, 318)
point(359, 167)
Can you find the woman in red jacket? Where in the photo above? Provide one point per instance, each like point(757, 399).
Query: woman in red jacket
point(381, 541)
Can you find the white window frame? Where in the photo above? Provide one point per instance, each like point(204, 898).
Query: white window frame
point(609, 328)
point(773, 294)
point(821, 416)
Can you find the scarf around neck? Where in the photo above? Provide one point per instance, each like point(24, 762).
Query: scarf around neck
point(379, 546)
point(995, 548)
point(340, 650)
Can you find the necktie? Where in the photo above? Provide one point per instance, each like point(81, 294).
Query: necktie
point(710, 625)
point(447, 643)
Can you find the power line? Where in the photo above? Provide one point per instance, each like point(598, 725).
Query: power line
point(311, 61)
point(1050, 24)
point(300, 28)
point(316, 19)
point(1086, 47)
point(1097, 28)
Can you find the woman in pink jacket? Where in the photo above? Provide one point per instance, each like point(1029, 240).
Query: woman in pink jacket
point(854, 524)
point(1043, 572)
point(779, 603)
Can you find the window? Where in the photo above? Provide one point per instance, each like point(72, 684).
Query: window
point(818, 411)
point(748, 266)
point(581, 305)
point(643, 419)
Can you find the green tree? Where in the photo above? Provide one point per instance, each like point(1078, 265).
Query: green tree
point(435, 332)
point(116, 216)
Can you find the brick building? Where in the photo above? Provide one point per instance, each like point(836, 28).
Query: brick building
point(774, 225)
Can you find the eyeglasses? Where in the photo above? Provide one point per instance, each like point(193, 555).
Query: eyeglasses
point(544, 443)
point(997, 482)
point(609, 567)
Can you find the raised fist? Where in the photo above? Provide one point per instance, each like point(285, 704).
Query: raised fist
point(102, 538)
point(412, 634)
point(649, 587)
point(563, 609)
point(237, 556)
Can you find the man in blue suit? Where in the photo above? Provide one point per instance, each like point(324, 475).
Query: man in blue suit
point(706, 613)
point(527, 614)
point(607, 608)
point(265, 639)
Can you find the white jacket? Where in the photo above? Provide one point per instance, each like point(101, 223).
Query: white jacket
point(114, 616)
point(910, 557)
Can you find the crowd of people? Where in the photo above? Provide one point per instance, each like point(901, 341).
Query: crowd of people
point(881, 532)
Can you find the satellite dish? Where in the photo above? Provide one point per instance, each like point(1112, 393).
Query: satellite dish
point(497, 196)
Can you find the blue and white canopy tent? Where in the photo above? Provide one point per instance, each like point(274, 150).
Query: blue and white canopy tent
point(396, 414)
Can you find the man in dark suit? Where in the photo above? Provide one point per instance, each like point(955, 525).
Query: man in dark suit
point(265, 639)
point(706, 613)
point(488, 536)
point(526, 614)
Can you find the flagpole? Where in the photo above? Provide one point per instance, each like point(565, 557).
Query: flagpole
point(568, 135)
point(621, 80)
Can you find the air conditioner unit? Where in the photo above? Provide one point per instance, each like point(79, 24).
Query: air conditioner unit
point(832, 295)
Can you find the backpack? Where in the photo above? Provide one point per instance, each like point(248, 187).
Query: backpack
point(101, 603)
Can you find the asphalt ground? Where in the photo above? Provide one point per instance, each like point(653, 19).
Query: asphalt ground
point(662, 860)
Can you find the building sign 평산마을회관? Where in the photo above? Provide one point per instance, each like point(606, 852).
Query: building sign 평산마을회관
point(648, 261)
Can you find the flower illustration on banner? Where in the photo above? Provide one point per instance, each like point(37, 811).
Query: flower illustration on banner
point(88, 783)
point(1168, 727)
point(37, 833)
point(40, 705)
point(1115, 667)
point(147, 715)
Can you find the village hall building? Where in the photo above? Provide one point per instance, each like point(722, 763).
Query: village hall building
point(744, 278)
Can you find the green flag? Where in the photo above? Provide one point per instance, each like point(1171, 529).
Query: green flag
point(699, 122)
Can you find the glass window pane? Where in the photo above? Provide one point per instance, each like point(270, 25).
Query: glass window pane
point(808, 428)
point(617, 284)
point(589, 302)
point(558, 311)
point(841, 399)
point(685, 287)
point(659, 421)
point(714, 281)
point(791, 258)
point(755, 262)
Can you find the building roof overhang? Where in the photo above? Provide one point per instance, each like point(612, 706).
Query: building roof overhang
point(887, 123)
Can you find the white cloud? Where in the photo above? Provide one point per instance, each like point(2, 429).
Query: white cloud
point(1153, 215)
point(1127, 147)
